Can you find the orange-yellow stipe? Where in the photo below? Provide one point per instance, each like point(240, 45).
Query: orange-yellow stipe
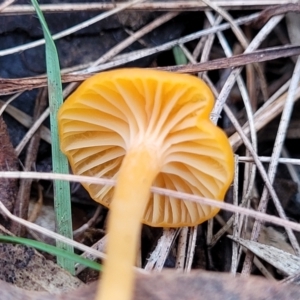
point(128, 206)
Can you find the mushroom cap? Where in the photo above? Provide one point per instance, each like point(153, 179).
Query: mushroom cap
point(114, 111)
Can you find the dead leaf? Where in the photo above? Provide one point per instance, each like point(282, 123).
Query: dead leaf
point(283, 261)
point(26, 268)
point(171, 285)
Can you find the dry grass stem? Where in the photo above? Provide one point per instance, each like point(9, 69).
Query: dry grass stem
point(32, 131)
point(5, 4)
point(264, 175)
point(232, 77)
point(104, 181)
point(282, 160)
point(269, 111)
point(24, 119)
point(188, 5)
point(49, 233)
point(235, 224)
point(99, 246)
point(191, 248)
point(181, 248)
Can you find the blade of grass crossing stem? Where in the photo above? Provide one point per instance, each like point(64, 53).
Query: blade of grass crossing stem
point(60, 164)
point(52, 250)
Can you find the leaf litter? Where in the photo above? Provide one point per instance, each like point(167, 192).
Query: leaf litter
point(269, 32)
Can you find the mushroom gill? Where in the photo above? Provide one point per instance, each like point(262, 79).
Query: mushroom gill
point(115, 111)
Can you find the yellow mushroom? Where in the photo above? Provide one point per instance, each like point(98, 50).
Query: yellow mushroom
point(143, 128)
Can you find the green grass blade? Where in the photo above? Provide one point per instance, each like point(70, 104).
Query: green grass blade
point(52, 250)
point(179, 56)
point(60, 164)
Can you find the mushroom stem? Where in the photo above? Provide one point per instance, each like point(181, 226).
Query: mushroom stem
point(139, 168)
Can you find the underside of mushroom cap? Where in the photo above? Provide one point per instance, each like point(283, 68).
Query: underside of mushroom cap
point(115, 111)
